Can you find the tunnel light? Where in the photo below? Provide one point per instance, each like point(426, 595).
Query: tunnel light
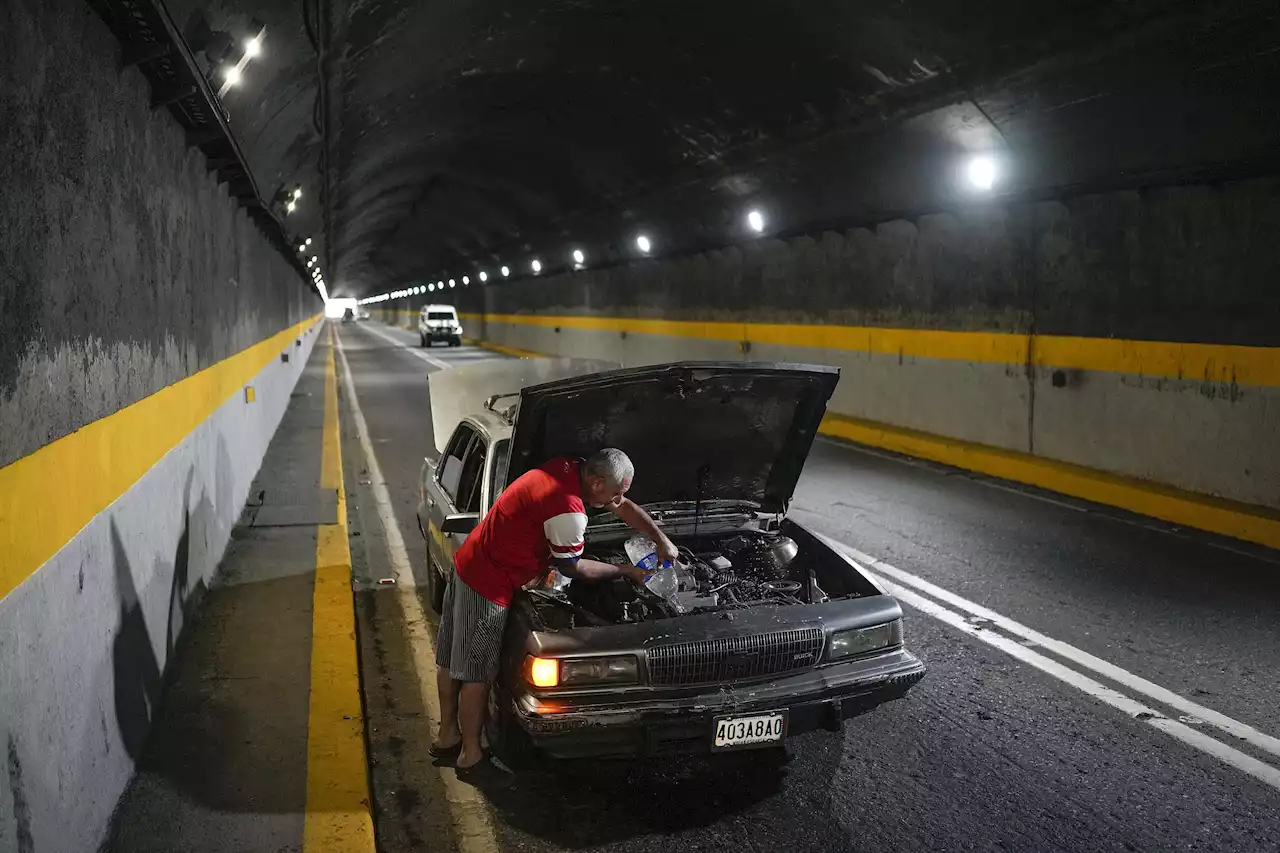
point(291, 206)
point(302, 247)
point(308, 243)
point(297, 192)
point(643, 244)
point(755, 219)
point(431, 287)
point(439, 285)
point(310, 264)
point(231, 75)
point(484, 276)
point(466, 280)
point(252, 47)
point(506, 272)
point(536, 265)
point(451, 282)
point(578, 257)
point(982, 173)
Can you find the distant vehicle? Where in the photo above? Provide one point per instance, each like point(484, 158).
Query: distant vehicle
point(439, 323)
point(362, 314)
point(780, 634)
point(348, 315)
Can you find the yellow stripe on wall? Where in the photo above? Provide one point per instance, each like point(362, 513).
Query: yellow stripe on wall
point(1213, 362)
point(1200, 512)
point(47, 497)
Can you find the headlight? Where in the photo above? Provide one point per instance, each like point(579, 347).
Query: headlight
point(862, 640)
point(550, 672)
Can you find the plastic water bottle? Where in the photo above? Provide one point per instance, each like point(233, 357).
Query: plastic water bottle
point(644, 553)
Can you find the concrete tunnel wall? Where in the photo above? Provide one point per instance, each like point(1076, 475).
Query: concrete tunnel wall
point(1057, 329)
point(136, 303)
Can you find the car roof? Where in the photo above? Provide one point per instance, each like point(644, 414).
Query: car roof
point(437, 307)
point(495, 426)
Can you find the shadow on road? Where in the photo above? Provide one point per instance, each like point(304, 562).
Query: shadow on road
point(583, 804)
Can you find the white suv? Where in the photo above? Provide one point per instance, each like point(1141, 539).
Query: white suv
point(439, 323)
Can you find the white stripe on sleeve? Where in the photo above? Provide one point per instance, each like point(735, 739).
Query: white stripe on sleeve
point(565, 532)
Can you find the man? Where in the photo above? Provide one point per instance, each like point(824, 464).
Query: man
point(539, 521)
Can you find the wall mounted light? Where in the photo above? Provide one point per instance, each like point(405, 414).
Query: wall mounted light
point(643, 244)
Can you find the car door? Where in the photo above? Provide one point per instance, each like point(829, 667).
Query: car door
point(443, 489)
point(460, 475)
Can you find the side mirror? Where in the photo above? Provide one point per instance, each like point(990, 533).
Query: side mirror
point(463, 522)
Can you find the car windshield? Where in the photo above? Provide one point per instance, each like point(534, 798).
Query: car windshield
point(439, 315)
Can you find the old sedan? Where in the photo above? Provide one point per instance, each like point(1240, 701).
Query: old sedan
point(773, 631)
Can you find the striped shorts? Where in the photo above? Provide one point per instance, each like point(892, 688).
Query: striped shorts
point(470, 639)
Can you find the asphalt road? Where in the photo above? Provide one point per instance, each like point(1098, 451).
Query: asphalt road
point(1014, 740)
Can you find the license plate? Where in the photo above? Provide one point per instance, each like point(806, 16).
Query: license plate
point(747, 732)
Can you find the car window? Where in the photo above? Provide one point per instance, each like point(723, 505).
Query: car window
point(451, 461)
point(498, 471)
point(439, 315)
point(469, 482)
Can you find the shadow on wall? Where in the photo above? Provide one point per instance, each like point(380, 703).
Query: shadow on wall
point(136, 669)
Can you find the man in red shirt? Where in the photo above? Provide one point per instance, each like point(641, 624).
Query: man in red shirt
point(538, 522)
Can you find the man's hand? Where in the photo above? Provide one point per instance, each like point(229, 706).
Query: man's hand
point(636, 575)
point(667, 551)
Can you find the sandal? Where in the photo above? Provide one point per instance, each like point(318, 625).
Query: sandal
point(445, 756)
point(485, 774)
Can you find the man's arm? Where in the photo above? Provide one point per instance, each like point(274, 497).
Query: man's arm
point(593, 570)
point(638, 520)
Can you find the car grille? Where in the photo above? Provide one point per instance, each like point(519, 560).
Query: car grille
point(735, 658)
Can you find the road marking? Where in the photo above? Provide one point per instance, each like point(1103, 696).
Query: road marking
point(1259, 770)
point(1241, 761)
point(435, 362)
point(1121, 676)
point(339, 813)
point(470, 816)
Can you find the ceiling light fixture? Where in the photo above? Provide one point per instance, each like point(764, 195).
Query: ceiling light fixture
point(506, 272)
point(982, 173)
point(755, 219)
point(484, 276)
point(536, 265)
point(643, 244)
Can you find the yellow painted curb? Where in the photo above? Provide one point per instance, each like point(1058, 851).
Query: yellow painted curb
point(339, 817)
point(1239, 521)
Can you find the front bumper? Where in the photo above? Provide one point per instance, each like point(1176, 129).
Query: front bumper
point(565, 727)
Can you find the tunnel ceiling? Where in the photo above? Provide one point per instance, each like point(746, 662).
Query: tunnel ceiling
point(468, 135)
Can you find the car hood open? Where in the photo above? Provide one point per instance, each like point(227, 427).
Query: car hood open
point(694, 430)
point(462, 391)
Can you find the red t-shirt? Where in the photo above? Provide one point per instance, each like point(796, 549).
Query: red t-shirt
point(537, 518)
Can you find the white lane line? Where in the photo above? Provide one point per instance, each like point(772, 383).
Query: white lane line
point(471, 821)
point(1259, 770)
point(1133, 682)
point(435, 362)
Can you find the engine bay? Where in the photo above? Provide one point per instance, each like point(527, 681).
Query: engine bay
point(745, 569)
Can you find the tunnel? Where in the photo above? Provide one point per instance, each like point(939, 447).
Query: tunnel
point(970, 311)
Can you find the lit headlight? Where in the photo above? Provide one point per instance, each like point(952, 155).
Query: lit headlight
point(862, 640)
point(553, 672)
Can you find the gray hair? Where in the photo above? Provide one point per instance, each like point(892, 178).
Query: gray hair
point(611, 465)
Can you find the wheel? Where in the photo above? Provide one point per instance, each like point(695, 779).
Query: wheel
point(422, 340)
point(455, 342)
point(435, 585)
point(506, 739)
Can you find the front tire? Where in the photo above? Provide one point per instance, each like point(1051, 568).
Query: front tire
point(455, 342)
point(422, 340)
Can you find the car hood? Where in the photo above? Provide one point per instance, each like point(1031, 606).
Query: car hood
point(694, 430)
point(461, 391)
